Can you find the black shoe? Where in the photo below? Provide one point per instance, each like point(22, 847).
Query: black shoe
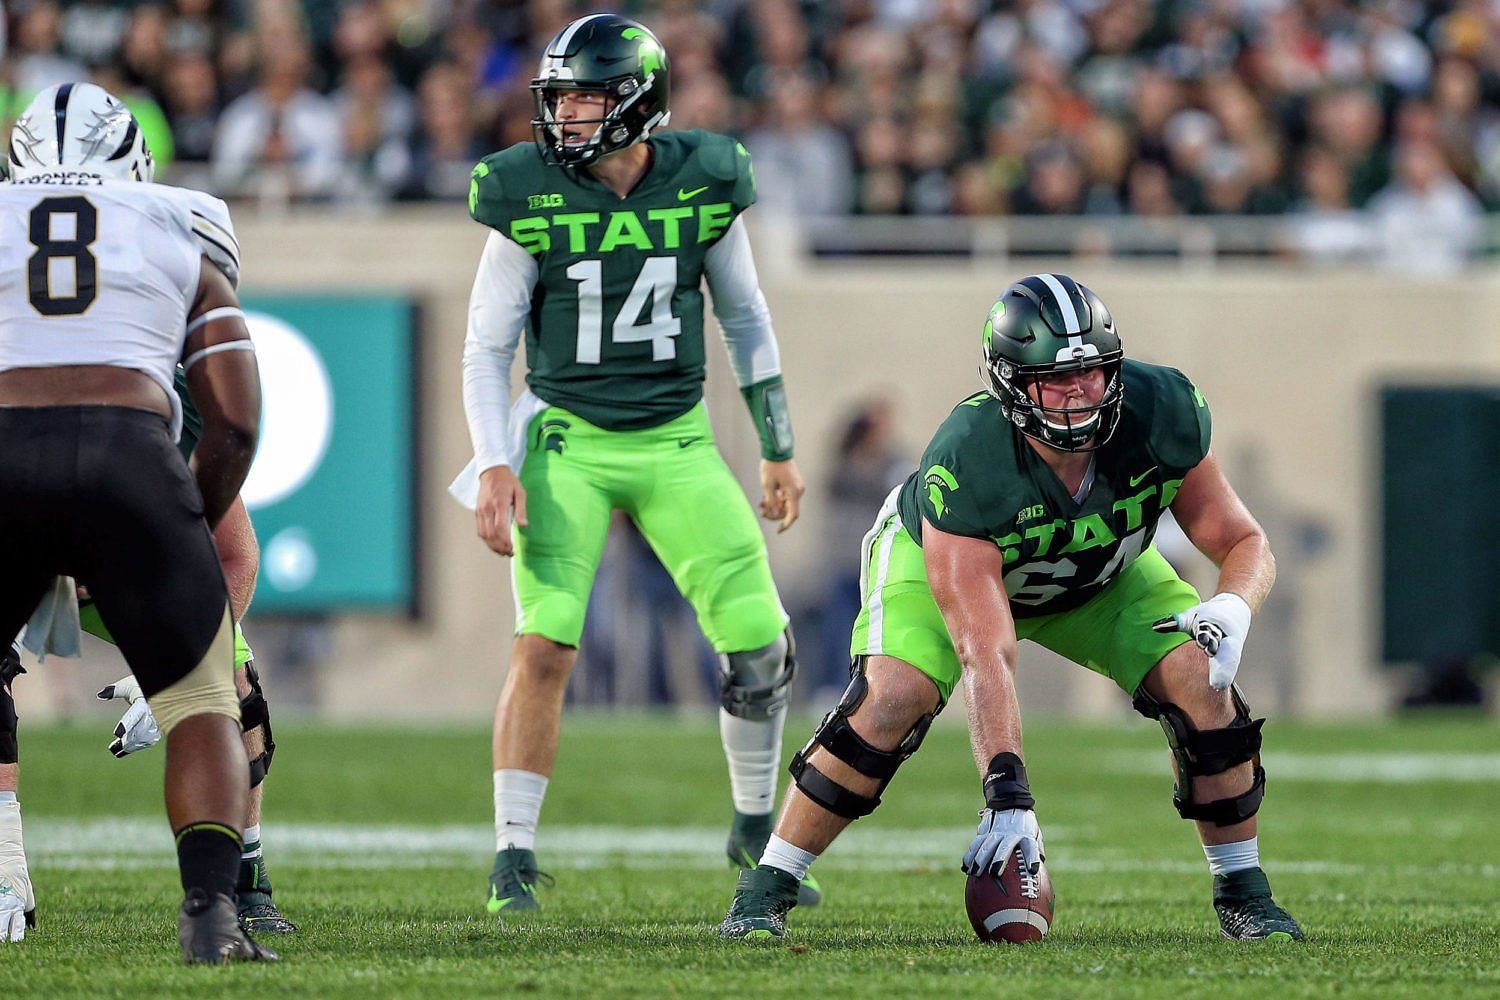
point(762, 900)
point(1246, 910)
point(210, 934)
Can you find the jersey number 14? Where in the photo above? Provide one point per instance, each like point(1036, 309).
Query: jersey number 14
point(658, 279)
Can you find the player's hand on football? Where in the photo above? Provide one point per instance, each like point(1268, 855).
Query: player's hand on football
point(1001, 833)
point(781, 490)
point(500, 496)
point(137, 728)
point(1219, 625)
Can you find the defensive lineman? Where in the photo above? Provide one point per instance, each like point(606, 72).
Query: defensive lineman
point(1031, 517)
point(239, 556)
point(604, 230)
point(107, 284)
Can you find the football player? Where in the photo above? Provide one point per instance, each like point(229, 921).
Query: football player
point(1031, 517)
point(106, 286)
point(239, 555)
point(604, 230)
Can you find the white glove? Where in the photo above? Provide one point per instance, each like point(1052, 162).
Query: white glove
point(16, 896)
point(136, 729)
point(1219, 625)
point(1000, 834)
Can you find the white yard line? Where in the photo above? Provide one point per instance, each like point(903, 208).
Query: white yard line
point(141, 843)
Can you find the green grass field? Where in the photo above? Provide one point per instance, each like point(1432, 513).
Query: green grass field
point(1380, 838)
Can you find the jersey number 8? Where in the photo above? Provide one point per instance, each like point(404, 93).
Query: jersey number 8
point(76, 249)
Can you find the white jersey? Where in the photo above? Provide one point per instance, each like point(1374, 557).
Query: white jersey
point(103, 272)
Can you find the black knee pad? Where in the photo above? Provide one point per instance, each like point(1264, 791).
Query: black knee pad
point(255, 712)
point(10, 669)
point(1206, 752)
point(838, 737)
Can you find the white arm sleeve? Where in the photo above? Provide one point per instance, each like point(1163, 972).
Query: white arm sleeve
point(498, 308)
point(740, 307)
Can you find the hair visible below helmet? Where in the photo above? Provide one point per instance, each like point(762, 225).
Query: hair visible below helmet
point(78, 126)
point(1049, 324)
point(617, 57)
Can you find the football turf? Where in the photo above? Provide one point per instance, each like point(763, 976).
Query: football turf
point(1380, 838)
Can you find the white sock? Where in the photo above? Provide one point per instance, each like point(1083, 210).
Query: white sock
point(8, 797)
point(252, 842)
point(788, 857)
point(1226, 858)
point(518, 805)
point(753, 749)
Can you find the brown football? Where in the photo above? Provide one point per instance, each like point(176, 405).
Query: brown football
point(1015, 907)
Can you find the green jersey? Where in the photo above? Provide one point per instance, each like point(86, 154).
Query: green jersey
point(980, 477)
point(192, 420)
point(615, 333)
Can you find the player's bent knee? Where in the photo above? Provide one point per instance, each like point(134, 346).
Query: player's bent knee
point(838, 737)
point(207, 689)
point(754, 684)
point(255, 713)
point(1207, 752)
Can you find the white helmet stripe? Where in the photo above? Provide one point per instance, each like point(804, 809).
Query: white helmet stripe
point(1064, 304)
point(561, 47)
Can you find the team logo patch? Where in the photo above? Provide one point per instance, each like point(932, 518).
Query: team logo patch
point(544, 201)
point(551, 435)
point(939, 483)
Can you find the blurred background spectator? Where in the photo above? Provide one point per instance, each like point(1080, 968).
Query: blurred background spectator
point(1049, 108)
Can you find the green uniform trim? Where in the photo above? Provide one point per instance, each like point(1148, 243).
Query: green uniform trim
point(673, 483)
point(1111, 634)
point(773, 422)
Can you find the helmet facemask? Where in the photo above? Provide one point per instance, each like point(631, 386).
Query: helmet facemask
point(616, 129)
point(1082, 428)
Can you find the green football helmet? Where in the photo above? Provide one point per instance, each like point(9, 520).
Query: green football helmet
point(1049, 324)
point(613, 55)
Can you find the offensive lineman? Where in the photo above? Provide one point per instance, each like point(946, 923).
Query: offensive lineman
point(603, 235)
point(239, 556)
point(106, 284)
point(1031, 517)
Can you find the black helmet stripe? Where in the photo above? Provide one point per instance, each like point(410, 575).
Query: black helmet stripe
point(60, 114)
point(129, 141)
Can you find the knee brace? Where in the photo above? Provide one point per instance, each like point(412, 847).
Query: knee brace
point(207, 689)
point(838, 737)
point(10, 669)
point(754, 685)
point(255, 712)
point(1205, 752)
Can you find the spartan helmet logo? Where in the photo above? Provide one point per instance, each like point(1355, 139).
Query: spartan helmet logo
point(551, 435)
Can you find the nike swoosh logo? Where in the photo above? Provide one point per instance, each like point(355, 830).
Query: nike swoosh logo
point(684, 442)
point(695, 192)
point(1136, 480)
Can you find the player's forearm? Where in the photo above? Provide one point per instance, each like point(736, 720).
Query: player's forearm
point(1249, 570)
point(994, 711)
point(498, 309)
point(486, 390)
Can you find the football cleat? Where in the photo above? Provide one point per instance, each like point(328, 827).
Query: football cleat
point(513, 882)
point(762, 900)
point(210, 934)
point(253, 905)
point(747, 842)
point(1246, 910)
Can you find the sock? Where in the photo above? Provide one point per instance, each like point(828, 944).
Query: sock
point(788, 857)
point(8, 797)
point(251, 850)
point(518, 805)
point(753, 749)
point(1226, 858)
point(208, 855)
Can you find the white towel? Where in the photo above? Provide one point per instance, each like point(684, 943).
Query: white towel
point(465, 486)
point(54, 626)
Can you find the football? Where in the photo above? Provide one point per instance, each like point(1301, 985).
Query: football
point(1014, 908)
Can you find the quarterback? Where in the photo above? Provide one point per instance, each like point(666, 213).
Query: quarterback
point(603, 232)
point(1031, 517)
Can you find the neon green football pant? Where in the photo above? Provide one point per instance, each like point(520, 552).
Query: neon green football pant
point(1111, 634)
point(88, 618)
point(673, 483)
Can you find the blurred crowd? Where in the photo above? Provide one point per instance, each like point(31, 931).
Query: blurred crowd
point(1327, 109)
